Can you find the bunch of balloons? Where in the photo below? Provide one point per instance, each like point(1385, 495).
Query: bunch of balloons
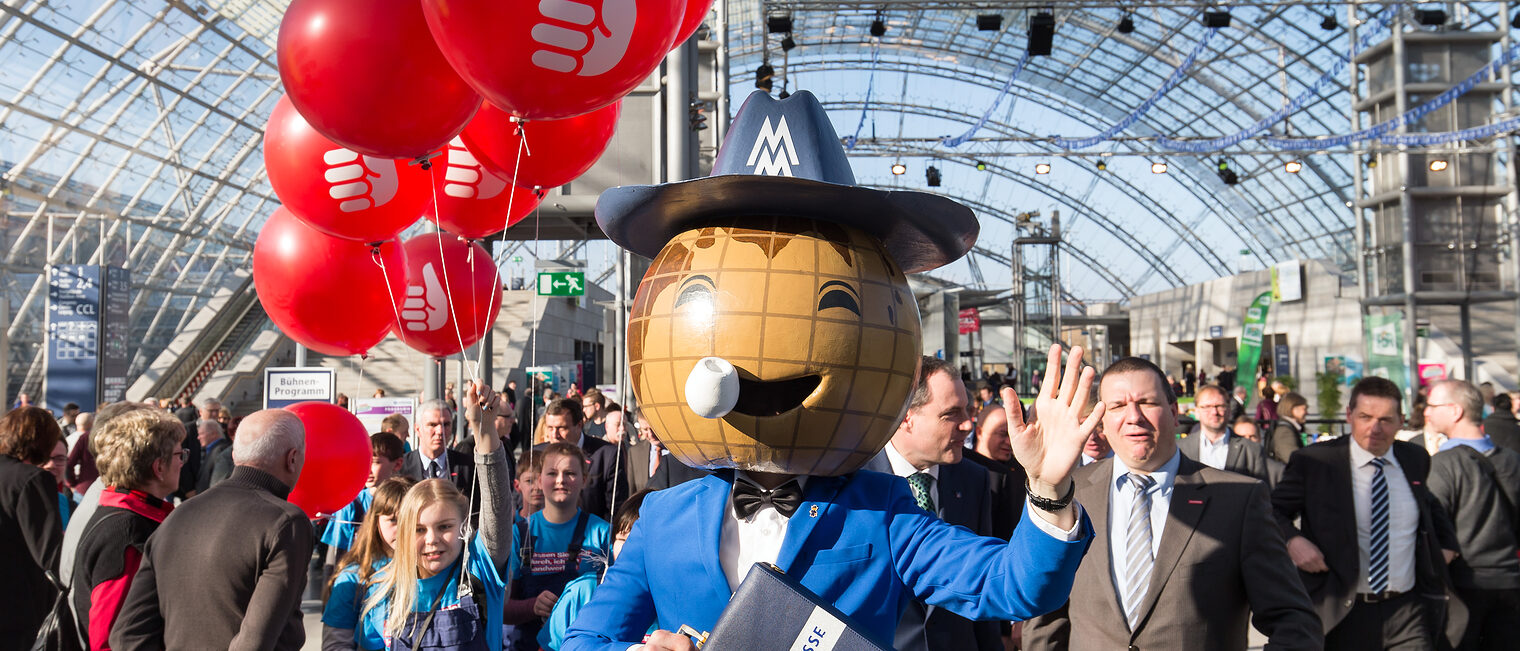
point(459, 111)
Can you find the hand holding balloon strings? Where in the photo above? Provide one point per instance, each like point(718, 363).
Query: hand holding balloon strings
point(1049, 446)
point(480, 412)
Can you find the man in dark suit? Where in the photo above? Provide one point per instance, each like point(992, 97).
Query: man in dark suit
point(1246, 428)
point(927, 451)
point(563, 420)
point(1501, 426)
point(617, 470)
point(1005, 476)
point(1213, 444)
point(433, 459)
point(1371, 544)
point(1191, 553)
point(667, 471)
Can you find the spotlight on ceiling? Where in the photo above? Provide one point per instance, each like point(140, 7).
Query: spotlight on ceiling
point(1431, 17)
point(1158, 167)
point(878, 27)
point(1216, 19)
point(980, 166)
point(898, 169)
point(1102, 166)
point(989, 22)
point(1293, 167)
point(1227, 175)
point(1438, 165)
point(1042, 32)
point(780, 24)
point(931, 175)
point(787, 43)
point(764, 77)
point(1371, 162)
point(1127, 24)
point(1329, 23)
point(783, 94)
point(1042, 168)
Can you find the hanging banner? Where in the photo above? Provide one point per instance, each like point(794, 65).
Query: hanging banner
point(73, 336)
point(115, 333)
point(971, 321)
point(1250, 343)
point(1384, 334)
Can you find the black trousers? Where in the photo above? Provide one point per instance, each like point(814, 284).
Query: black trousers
point(1396, 624)
point(1493, 620)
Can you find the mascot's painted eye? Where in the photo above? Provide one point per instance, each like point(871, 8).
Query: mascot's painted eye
point(698, 289)
point(838, 294)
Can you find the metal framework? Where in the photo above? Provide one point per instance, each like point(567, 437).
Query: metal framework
point(131, 134)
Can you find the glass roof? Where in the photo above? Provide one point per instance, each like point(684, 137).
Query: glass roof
point(130, 133)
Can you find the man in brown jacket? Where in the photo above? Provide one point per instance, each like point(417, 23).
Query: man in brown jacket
point(1185, 555)
point(226, 569)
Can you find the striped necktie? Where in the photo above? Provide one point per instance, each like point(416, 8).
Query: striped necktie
point(1377, 552)
point(1138, 555)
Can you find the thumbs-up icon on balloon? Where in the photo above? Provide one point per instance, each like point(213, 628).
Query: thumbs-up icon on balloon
point(359, 182)
point(425, 308)
point(465, 178)
point(587, 38)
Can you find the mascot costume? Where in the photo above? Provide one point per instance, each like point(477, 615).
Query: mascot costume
point(774, 340)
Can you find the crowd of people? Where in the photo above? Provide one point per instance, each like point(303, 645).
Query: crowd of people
point(167, 526)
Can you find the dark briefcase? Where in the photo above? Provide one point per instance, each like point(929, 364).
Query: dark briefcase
point(772, 611)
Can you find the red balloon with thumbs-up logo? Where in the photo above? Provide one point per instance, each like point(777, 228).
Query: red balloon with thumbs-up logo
point(452, 296)
point(472, 201)
point(557, 151)
point(550, 59)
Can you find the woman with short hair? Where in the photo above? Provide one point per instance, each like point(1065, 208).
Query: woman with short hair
point(140, 459)
point(31, 529)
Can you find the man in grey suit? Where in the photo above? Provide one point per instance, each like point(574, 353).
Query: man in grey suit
point(1213, 443)
point(1191, 554)
point(927, 451)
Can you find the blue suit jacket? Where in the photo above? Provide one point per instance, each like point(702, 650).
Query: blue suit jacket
point(858, 541)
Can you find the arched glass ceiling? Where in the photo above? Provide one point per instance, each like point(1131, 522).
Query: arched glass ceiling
point(934, 74)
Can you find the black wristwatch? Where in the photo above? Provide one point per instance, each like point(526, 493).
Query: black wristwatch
point(1051, 506)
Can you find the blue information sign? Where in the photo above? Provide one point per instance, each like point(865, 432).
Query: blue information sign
point(115, 334)
point(1282, 363)
point(73, 336)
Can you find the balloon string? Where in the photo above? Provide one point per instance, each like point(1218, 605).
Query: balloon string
point(506, 220)
point(485, 319)
point(449, 291)
point(400, 328)
point(359, 384)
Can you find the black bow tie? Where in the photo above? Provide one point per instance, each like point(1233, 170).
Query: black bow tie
point(748, 498)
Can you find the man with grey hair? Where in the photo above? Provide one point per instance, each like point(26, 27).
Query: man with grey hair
point(433, 458)
point(216, 455)
point(1475, 480)
point(227, 569)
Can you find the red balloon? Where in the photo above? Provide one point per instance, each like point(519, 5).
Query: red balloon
point(473, 201)
point(327, 293)
point(337, 458)
point(366, 74)
point(696, 10)
point(459, 290)
point(339, 191)
point(548, 59)
point(558, 150)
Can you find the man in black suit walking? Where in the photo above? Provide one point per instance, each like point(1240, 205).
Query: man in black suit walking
point(927, 451)
point(433, 458)
point(1372, 544)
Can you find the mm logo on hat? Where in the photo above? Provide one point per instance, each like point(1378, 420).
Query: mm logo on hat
point(773, 153)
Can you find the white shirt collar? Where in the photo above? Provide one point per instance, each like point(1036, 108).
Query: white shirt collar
point(903, 468)
point(1163, 475)
point(1203, 438)
point(1360, 456)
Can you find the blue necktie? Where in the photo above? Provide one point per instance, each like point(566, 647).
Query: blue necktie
point(1138, 555)
point(1377, 551)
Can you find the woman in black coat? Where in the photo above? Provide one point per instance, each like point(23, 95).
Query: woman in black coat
point(31, 529)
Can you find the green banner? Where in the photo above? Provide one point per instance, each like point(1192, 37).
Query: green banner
point(1384, 334)
point(1250, 344)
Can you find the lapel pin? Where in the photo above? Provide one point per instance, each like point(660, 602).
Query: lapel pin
point(957, 494)
point(813, 512)
point(1195, 501)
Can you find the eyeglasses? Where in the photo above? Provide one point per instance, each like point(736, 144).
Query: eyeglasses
point(183, 454)
point(1218, 407)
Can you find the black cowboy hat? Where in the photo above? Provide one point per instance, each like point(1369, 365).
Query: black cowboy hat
point(782, 158)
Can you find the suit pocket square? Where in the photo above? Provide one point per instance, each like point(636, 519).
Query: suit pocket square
point(843, 554)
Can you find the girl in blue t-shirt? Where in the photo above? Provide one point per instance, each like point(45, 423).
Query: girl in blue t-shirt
point(444, 587)
point(371, 551)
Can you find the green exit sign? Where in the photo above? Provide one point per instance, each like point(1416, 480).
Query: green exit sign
point(562, 283)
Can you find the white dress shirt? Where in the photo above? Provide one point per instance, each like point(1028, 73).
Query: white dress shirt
point(1121, 500)
point(427, 464)
point(1213, 455)
point(1403, 518)
point(903, 468)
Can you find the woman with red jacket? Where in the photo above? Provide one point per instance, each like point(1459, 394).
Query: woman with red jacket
point(139, 456)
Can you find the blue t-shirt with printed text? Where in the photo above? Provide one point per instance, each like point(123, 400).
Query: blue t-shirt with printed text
point(551, 543)
point(344, 525)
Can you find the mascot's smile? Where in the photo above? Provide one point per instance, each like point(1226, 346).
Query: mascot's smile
point(759, 398)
